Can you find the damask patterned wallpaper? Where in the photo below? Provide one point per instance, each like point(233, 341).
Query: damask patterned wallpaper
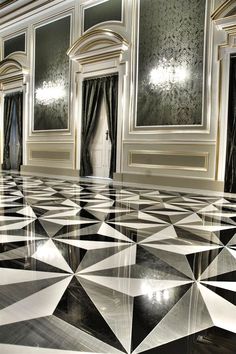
point(14, 44)
point(52, 75)
point(110, 10)
point(170, 70)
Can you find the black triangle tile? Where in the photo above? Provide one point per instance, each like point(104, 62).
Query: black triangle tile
point(210, 341)
point(77, 309)
point(151, 308)
point(224, 293)
point(73, 255)
point(160, 269)
point(230, 276)
point(226, 235)
point(12, 293)
point(200, 261)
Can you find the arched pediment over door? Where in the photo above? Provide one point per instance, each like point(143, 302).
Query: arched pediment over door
point(13, 71)
point(227, 8)
point(99, 53)
point(98, 45)
point(13, 77)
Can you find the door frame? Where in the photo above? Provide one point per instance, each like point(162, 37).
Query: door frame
point(99, 53)
point(14, 78)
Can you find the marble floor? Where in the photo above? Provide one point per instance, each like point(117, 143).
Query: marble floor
point(88, 267)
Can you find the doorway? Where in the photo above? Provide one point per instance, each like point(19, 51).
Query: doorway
point(12, 121)
point(99, 126)
point(101, 145)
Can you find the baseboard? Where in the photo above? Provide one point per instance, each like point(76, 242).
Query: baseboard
point(170, 181)
point(52, 171)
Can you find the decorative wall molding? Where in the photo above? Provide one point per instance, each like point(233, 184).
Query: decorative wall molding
point(224, 9)
point(97, 45)
point(13, 68)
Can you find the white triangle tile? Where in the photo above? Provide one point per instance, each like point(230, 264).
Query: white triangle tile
point(193, 218)
point(70, 203)
point(16, 253)
point(233, 252)
point(222, 312)
point(62, 214)
point(232, 241)
point(115, 308)
point(174, 207)
point(208, 208)
point(18, 349)
point(16, 225)
point(92, 245)
point(137, 225)
point(40, 304)
point(49, 253)
point(66, 222)
point(13, 238)
point(134, 287)
point(228, 285)
point(27, 211)
point(96, 206)
point(12, 276)
point(123, 258)
point(109, 231)
point(209, 228)
point(102, 209)
point(145, 216)
point(222, 201)
point(223, 263)
point(184, 249)
point(168, 232)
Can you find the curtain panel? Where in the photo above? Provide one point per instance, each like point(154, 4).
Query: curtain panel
point(94, 90)
point(13, 104)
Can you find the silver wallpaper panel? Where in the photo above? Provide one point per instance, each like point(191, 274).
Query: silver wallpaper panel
point(170, 72)
point(52, 75)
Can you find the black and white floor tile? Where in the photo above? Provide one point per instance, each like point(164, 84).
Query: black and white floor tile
point(87, 267)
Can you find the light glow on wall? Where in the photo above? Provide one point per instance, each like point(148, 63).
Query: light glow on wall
point(167, 73)
point(50, 92)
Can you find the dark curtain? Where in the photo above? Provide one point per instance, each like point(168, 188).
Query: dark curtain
point(230, 170)
point(92, 94)
point(19, 116)
point(11, 101)
point(110, 88)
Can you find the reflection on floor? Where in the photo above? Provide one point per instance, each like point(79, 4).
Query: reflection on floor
point(93, 268)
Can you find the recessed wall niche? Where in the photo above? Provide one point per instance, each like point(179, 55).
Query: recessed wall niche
point(52, 72)
point(14, 44)
point(110, 10)
point(170, 62)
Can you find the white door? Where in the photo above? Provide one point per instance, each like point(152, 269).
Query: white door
point(101, 146)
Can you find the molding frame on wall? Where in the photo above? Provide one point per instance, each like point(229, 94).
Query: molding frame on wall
point(205, 127)
point(167, 181)
point(169, 153)
point(13, 35)
point(44, 22)
point(92, 3)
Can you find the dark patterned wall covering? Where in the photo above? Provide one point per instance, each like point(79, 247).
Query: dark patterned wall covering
point(172, 43)
point(14, 44)
point(52, 75)
point(110, 10)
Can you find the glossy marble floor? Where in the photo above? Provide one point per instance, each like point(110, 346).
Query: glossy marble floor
point(96, 268)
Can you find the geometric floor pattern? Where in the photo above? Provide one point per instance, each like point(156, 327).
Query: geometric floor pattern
point(88, 267)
